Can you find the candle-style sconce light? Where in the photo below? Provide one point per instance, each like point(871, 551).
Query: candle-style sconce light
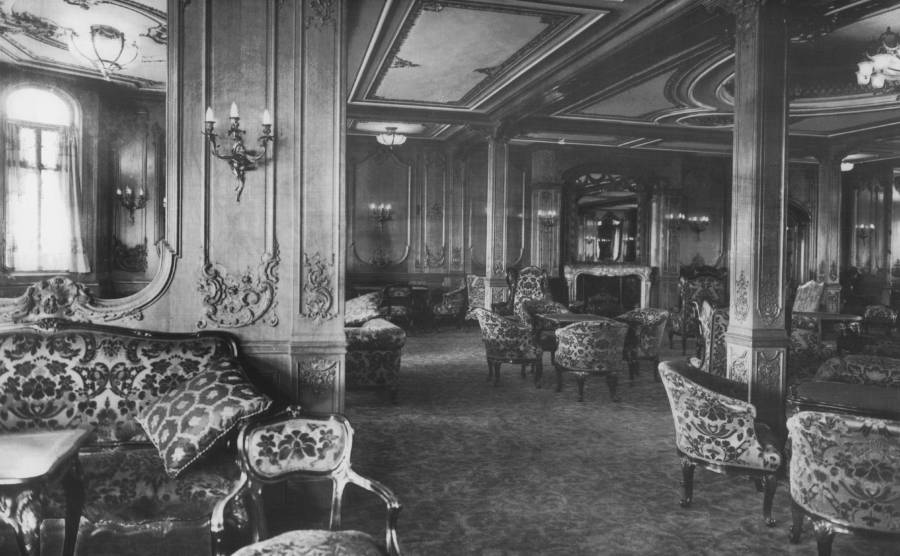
point(676, 220)
point(698, 224)
point(239, 158)
point(864, 231)
point(547, 219)
point(381, 213)
point(131, 201)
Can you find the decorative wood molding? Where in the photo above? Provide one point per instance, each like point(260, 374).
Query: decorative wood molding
point(234, 301)
point(317, 376)
point(739, 365)
point(321, 13)
point(380, 256)
point(742, 297)
point(130, 259)
point(61, 297)
point(318, 287)
point(769, 297)
point(769, 369)
point(435, 260)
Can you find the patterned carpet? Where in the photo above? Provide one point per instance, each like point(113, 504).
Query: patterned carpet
point(513, 470)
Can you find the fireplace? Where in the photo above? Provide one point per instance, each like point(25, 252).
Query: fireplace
point(573, 272)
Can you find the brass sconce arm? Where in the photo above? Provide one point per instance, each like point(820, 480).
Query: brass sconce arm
point(239, 158)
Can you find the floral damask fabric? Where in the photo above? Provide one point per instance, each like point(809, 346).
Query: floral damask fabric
point(531, 285)
point(844, 468)
point(861, 369)
point(298, 444)
point(880, 315)
point(506, 338)
point(647, 327)
point(363, 308)
point(185, 422)
point(713, 326)
point(808, 297)
point(683, 319)
point(596, 345)
point(475, 292)
point(97, 379)
point(373, 354)
point(315, 542)
point(717, 428)
point(375, 334)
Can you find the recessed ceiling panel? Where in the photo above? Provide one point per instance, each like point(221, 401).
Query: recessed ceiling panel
point(635, 102)
point(845, 122)
point(455, 53)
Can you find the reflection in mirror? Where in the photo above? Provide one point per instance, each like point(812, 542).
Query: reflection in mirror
point(83, 110)
point(608, 219)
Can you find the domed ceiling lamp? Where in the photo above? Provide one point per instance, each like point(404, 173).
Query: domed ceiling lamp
point(391, 139)
point(882, 68)
point(105, 48)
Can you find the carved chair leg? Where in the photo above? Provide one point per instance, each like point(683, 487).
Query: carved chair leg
point(687, 482)
point(824, 536)
point(770, 483)
point(796, 522)
point(579, 379)
point(73, 484)
point(612, 381)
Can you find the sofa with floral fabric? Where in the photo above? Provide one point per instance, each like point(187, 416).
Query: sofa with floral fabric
point(374, 345)
point(161, 408)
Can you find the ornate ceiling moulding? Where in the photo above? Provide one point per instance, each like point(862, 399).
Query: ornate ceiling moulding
point(61, 297)
point(231, 301)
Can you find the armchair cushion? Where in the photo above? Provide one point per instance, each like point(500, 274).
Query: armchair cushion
point(861, 369)
point(315, 541)
point(185, 422)
point(363, 308)
point(376, 334)
point(506, 338)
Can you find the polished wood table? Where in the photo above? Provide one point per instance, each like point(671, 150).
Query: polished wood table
point(32, 459)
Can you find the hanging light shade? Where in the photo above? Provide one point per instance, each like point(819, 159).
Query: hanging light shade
point(105, 48)
point(391, 138)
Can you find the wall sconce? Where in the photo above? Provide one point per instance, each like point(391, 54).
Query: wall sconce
point(676, 220)
point(863, 231)
point(239, 159)
point(698, 224)
point(547, 219)
point(130, 201)
point(381, 213)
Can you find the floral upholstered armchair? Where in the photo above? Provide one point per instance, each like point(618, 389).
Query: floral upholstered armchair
point(291, 446)
point(861, 369)
point(646, 330)
point(374, 346)
point(475, 294)
point(717, 429)
point(452, 307)
point(595, 347)
point(713, 326)
point(844, 476)
point(879, 315)
point(695, 285)
point(531, 295)
point(508, 340)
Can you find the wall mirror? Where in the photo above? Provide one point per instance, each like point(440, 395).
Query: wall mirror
point(85, 101)
point(608, 209)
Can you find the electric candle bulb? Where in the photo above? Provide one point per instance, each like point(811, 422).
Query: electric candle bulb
point(210, 117)
point(118, 192)
point(266, 117)
point(234, 111)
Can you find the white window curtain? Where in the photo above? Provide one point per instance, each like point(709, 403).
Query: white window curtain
point(43, 200)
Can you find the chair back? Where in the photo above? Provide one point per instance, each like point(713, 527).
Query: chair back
point(531, 285)
point(808, 297)
point(648, 328)
point(713, 326)
point(505, 338)
point(595, 345)
point(843, 469)
point(474, 293)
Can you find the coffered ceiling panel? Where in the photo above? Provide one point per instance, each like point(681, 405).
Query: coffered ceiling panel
point(636, 102)
point(458, 53)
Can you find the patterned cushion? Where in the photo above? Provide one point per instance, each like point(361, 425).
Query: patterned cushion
point(475, 292)
point(507, 339)
point(187, 421)
point(292, 445)
point(102, 380)
point(861, 369)
point(714, 427)
point(591, 346)
point(375, 334)
point(315, 542)
point(363, 308)
point(843, 468)
point(646, 328)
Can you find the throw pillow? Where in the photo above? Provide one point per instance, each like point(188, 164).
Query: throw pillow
point(185, 422)
point(359, 310)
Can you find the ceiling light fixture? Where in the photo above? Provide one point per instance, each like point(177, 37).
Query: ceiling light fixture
point(882, 68)
point(846, 166)
point(391, 139)
point(105, 48)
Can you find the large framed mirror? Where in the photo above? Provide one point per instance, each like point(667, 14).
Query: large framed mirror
point(609, 221)
point(86, 98)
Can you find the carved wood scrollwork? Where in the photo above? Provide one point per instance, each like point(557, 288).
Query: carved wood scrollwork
point(742, 295)
point(61, 297)
point(317, 376)
point(769, 369)
point(740, 366)
point(318, 287)
point(769, 301)
point(321, 13)
point(435, 259)
point(232, 301)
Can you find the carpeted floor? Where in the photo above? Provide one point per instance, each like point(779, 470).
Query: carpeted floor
point(514, 470)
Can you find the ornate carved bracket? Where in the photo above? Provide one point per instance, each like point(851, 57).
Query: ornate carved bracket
point(61, 297)
point(318, 287)
point(317, 376)
point(235, 301)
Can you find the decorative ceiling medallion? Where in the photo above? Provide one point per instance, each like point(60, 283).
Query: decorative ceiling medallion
point(35, 27)
point(481, 45)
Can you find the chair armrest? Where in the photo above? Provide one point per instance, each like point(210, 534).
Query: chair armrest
point(393, 507)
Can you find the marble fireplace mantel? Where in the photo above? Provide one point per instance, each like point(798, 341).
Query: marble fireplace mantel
point(645, 273)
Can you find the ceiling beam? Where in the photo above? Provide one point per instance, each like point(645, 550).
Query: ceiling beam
point(415, 114)
point(564, 126)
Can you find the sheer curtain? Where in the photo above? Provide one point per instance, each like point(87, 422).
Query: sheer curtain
point(43, 187)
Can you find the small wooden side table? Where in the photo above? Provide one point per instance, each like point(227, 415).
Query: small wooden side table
point(34, 458)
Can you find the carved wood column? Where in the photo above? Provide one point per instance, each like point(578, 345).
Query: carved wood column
point(318, 209)
point(756, 338)
point(827, 230)
point(497, 195)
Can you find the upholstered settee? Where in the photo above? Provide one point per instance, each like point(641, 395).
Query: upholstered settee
point(374, 346)
point(160, 408)
point(861, 369)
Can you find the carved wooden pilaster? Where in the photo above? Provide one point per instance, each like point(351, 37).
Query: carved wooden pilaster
point(497, 196)
point(828, 234)
point(756, 337)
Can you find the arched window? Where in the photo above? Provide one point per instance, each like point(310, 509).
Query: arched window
point(42, 183)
